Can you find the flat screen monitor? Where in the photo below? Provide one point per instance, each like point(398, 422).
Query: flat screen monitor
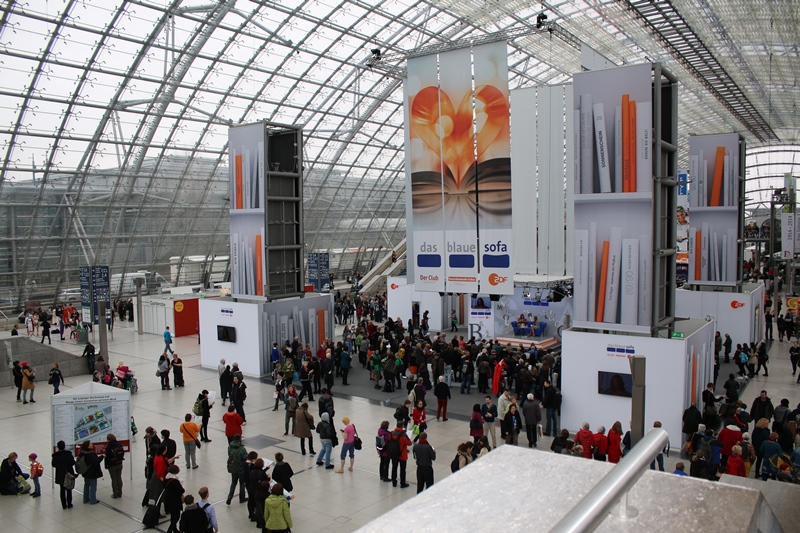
point(226, 333)
point(615, 384)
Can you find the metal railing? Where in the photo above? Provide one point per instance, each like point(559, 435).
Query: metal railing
point(614, 487)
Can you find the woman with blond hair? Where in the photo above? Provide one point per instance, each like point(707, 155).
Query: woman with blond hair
point(348, 444)
point(759, 436)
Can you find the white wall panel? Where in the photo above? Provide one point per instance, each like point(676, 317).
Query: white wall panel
point(523, 179)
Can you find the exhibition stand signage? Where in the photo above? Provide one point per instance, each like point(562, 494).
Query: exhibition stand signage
point(89, 413)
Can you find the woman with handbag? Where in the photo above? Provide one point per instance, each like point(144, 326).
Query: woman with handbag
point(349, 435)
point(420, 419)
point(63, 462)
point(304, 423)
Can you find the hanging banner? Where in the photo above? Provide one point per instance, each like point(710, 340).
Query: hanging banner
point(458, 176)
point(492, 135)
point(421, 94)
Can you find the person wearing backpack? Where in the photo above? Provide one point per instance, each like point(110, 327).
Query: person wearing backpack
point(115, 455)
point(237, 455)
point(397, 451)
point(36, 472)
point(380, 445)
point(326, 435)
point(208, 508)
point(88, 466)
point(173, 497)
point(425, 455)
point(194, 519)
point(63, 463)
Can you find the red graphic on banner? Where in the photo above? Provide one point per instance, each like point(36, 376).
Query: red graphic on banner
point(737, 305)
point(394, 286)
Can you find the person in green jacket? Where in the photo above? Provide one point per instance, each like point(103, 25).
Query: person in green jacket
point(277, 517)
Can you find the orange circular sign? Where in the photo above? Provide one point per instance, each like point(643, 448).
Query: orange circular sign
point(178, 307)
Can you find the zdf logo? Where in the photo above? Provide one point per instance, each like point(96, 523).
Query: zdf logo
point(394, 286)
point(495, 280)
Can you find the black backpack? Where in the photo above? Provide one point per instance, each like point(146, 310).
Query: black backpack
point(454, 466)
point(392, 447)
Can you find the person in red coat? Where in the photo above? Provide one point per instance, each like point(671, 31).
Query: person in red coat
point(735, 464)
point(600, 444)
point(614, 441)
point(729, 437)
point(584, 438)
point(233, 423)
point(498, 372)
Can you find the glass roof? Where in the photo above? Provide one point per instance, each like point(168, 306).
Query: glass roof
point(114, 113)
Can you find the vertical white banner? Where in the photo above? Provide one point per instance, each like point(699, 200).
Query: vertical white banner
point(493, 148)
point(421, 93)
point(459, 180)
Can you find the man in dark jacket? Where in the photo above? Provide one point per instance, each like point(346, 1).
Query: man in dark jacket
point(239, 395)
point(92, 473)
point(193, 517)
point(762, 407)
point(691, 421)
point(425, 454)
point(403, 414)
point(533, 417)
point(172, 446)
point(115, 455)
point(442, 393)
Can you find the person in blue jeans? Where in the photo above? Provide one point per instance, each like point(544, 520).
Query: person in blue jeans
point(92, 473)
point(551, 409)
point(467, 369)
point(167, 341)
point(326, 435)
point(660, 457)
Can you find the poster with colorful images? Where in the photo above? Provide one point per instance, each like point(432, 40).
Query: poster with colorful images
point(493, 149)
point(449, 125)
point(91, 412)
point(421, 90)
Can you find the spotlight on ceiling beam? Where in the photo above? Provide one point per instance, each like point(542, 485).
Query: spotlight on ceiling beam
point(376, 53)
point(540, 19)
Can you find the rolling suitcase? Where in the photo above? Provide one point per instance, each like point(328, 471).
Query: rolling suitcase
point(152, 513)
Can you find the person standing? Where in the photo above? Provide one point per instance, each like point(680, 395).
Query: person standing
point(56, 378)
point(348, 444)
point(660, 457)
point(282, 472)
point(614, 441)
point(549, 402)
point(63, 463)
point(238, 397)
point(93, 471)
point(489, 414)
point(326, 436)
point(114, 456)
point(46, 331)
point(237, 455)
point(211, 513)
point(277, 516)
point(167, 340)
point(794, 355)
point(194, 518)
point(88, 353)
point(762, 407)
point(425, 454)
point(382, 439)
point(205, 415)
point(397, 450)
point(177, 370)
point(727, 344)
point(533, 417)
point(717, 344)
point(233, 423)
point(302, 430)
point(173, 497)
point(503, 404)
point(36, 472)
point(190, 431)
point(28, 382)
point(16, 371)
point(163, 371)
point(306, 376)
point(513, 424)
point(442, 393)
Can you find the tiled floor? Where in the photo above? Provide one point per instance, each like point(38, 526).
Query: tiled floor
point(325, 501)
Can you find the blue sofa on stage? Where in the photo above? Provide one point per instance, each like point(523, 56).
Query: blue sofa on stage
point(525, 331)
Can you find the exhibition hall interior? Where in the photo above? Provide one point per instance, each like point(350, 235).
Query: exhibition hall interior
point(578, 216)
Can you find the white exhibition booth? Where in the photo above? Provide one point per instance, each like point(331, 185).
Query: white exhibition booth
point(740, 314)
point(90, 412)
point(677, 371)
point(400, 299)
point(244, 331)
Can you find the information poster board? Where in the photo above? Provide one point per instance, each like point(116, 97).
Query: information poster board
point(101, 292)
point(91, 412)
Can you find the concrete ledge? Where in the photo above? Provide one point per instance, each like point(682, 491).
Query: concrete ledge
point(517, 489)
point(782, 498)
point(40, 357)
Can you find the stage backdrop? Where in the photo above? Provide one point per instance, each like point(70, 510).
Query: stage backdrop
point(458, 160)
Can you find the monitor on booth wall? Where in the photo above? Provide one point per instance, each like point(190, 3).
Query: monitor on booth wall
point(615, 384)
point(226, 333)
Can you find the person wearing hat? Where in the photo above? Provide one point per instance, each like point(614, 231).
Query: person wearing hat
point(28, 382)
point(36, 471)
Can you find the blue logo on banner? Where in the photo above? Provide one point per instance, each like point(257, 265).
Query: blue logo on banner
point(461, 261)
point(429, 260)
point(496, 261)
